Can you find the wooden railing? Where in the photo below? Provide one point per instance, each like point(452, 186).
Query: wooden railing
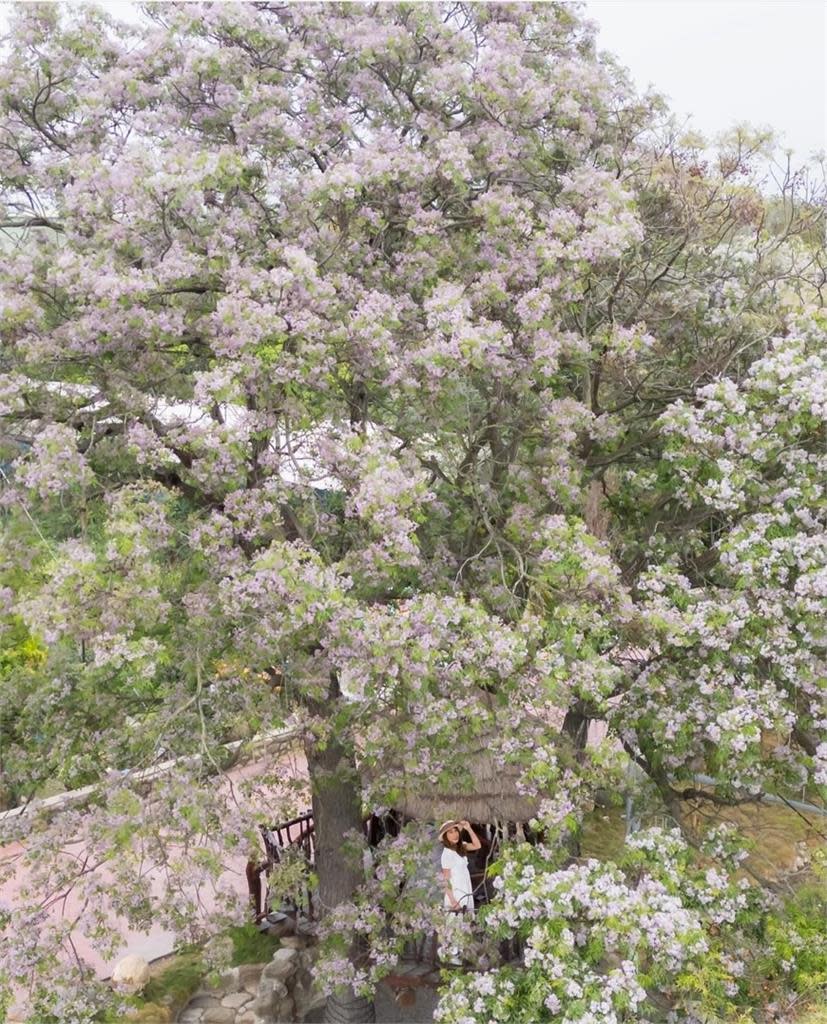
point(420, 961)
point(296, 834)
point(300, 833)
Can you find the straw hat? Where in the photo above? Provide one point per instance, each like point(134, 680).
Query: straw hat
point(445, 826)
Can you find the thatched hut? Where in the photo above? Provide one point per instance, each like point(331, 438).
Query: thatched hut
point(488, 787)
point(487, 792)
point(493, 795)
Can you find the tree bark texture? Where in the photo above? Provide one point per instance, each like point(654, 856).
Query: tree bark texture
point(337, 810)
point(576, 727)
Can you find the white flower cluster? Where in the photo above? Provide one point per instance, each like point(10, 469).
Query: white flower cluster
point(595, 935)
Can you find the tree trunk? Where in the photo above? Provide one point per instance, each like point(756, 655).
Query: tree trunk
point(337, 810)
point(576, 727)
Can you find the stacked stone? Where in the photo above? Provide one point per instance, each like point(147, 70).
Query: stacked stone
point(230, 1002)
point(280, 991)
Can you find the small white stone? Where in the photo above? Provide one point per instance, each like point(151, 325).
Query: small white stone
point(130, 974)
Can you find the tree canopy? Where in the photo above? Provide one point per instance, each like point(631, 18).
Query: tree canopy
point(397, 371)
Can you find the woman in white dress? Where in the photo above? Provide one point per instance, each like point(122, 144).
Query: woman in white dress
point(459, 893)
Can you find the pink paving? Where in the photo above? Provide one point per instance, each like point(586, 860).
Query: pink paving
point(157, 942)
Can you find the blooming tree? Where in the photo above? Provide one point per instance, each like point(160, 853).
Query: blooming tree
point(398, 370)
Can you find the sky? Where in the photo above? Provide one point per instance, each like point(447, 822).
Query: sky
point(728, 61)
point(720, 61)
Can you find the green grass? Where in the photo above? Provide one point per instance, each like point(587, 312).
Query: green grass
point(172, 985)
point(178, 981)
point(251, 946)
point(815, 1015)
point(603, 834)
point(774, 832)
point(175, 980)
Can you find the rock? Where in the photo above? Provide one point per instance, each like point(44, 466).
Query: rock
point(261, 1008)
point(270, 994)
point(247, 1018)
point(280, 929)
point(294, 942)
point(284, 954)
point(285, 1011)
point(307, 957)
point(249, 976)
point(235, 1000)
point(219, 1015)
point(229, 980)
point(202, 1001)
point(282, 965)
point(189, 1016)
point(130, 974)
point(307, 1001)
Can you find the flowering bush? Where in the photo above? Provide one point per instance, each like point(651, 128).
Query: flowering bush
point(604, 943)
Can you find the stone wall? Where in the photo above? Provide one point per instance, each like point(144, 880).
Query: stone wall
point(272, 993)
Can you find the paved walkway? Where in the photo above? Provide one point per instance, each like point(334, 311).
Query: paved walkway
point(157, 942)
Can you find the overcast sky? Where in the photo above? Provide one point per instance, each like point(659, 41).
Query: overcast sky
point(725, 61)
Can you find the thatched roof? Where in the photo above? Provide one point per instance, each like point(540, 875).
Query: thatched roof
point(486, 789)
point(494, 797)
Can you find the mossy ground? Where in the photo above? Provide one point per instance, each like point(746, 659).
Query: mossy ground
point(778, 835)
point(176, 978)
point(172, 984)
point(814, 1015)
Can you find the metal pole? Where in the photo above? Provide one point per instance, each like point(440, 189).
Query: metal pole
point(770, 798)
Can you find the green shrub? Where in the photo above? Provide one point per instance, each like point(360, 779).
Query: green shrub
point(178, 982)
point(794, 955)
